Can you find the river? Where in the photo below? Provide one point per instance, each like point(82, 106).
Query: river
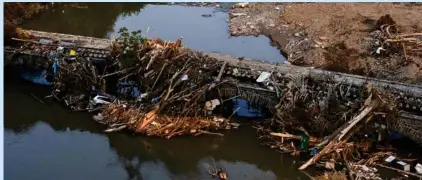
point(45, 141)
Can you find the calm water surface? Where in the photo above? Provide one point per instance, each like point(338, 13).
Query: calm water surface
point(209, 34)
point(45, 141)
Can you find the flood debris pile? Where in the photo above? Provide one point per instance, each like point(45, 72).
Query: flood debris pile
point(392, 48)
point(310, 108)
point(340, 126)
point(173, 84)
point(120, 116)
point(147, 86)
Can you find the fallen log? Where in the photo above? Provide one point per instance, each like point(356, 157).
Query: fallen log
point(339, 138)
point(401, 171)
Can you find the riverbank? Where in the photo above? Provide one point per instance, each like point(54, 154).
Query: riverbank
point(16, 13)
point(336, 36)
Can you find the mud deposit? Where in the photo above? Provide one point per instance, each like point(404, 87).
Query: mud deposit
point(311, 34)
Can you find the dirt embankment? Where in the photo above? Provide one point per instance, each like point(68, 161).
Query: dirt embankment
point(344, 37)
point(16, 12)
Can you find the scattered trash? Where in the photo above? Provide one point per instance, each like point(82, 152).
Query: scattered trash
point(263, 77)
point(330, 164)
point(215, 171)
point(206, 15)
point(364, 172)
point(72, 52)
point(210, 105)
point(235, 125)
point(390, 159)
point(185, 77)
point(100, 100)
point(142, 97)
point(418, 168)
point(379, 49)
point(155, 100)
point(235, 71)
point(299, 34)
point(99, 117)
point(241, 5)
point(237, 14)
point(314, 151)
point(405, 166)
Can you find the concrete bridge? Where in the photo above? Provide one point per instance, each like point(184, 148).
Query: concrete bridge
point(243, 73)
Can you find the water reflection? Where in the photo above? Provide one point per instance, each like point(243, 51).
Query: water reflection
point(86, 19)
point(48, 141)
point(203, 28)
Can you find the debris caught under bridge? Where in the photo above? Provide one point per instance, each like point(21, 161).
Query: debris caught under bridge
point(184, 92)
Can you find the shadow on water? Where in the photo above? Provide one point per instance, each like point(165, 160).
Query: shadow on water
point(203, 28)
point(46, 140)
point(86, 19)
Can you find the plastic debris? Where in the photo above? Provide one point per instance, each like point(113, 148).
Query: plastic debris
point(72, 52)
point(314, 151)
point(210, 105)
point(418, 168)
point(379, 49)
point(142, 96)
point(185, 77)
point(216, 119)
point(235, 125)
point(390, 159)
point(263, 77)
point(155, 100)
point(156, 124)
point(330, 164)
point(98, 117)
point(406, 167)
point(235, 71)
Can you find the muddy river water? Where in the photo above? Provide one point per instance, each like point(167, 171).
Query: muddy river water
point(45, 141)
